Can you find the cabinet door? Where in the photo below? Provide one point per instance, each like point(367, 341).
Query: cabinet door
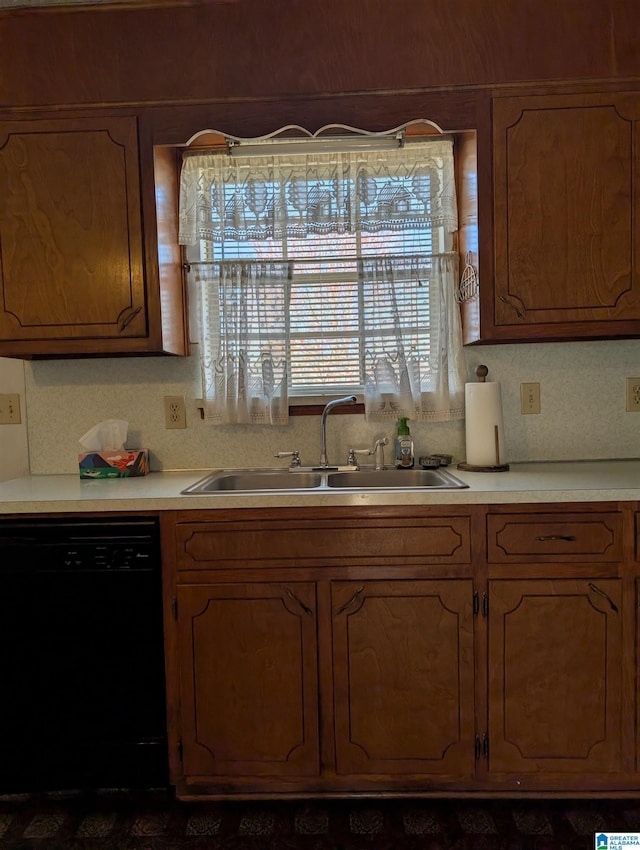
point(567, 234)
point(555, 676)
point(403, 677)
point(71, 236)
point(249, 692)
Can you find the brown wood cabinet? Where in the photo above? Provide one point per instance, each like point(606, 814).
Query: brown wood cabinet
point(555, 678)
point(403, 677)
point(319, 651)
point(73, 278)
point(566, 229)
point(322, 651)
point(557, 664)
point(249, 689)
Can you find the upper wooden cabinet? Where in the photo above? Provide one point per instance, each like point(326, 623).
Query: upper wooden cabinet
point(567, 232)
point(73, 275)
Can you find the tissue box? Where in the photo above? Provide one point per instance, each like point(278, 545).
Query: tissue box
point(126, 463)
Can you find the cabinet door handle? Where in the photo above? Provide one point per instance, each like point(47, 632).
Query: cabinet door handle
point(129, 318)
point(353, 599)
point(516, 309)
point(298, 602)
point(604, 595)
point(566, 537)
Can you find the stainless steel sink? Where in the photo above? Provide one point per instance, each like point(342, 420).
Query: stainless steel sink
point(281, 480)
point(251, 480)
point(393, 479)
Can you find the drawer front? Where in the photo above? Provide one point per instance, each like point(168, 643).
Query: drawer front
point(554, 537)
point(275, 543)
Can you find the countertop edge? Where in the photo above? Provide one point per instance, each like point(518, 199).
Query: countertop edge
point(553, 482)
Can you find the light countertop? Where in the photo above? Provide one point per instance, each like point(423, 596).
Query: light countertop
point(566, 481)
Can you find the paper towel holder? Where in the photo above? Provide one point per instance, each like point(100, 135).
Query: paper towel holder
point(481, 373)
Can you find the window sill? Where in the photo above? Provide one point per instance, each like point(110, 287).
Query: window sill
point(316, 409)
point(307, 409)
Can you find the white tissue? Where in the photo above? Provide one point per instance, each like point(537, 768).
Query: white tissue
point(107, 436)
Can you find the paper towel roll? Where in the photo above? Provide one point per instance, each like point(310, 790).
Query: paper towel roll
point(484, 428)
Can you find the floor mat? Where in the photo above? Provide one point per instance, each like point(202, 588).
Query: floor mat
point(123, 820)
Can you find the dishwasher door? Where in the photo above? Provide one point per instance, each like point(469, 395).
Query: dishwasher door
point(81, 658)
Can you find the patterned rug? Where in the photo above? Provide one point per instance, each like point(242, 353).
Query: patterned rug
point(119, 820)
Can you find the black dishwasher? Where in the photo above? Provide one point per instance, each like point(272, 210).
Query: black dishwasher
point(81, 655)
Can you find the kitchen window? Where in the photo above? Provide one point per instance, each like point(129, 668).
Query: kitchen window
point(324, 273)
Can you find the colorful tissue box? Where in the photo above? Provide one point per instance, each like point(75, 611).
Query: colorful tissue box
point(126, 463)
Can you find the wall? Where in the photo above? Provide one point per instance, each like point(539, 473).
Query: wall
point(582, 391)
point(14, 453)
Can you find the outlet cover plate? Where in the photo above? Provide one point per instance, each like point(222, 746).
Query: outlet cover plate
point(175, 415)
point(10, 409)
point(633, 395)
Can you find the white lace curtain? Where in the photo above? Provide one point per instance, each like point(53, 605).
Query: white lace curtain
point(409, 372)
point(243, 307)
point(411, 335)
point(268, 197)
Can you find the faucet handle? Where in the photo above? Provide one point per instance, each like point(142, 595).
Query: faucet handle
point(295, 458)
point(351, 461)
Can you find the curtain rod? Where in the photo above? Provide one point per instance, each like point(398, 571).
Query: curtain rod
point(277, 148)
point(187, 265)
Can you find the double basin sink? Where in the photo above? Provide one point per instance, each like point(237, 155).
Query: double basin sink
point(280, 480)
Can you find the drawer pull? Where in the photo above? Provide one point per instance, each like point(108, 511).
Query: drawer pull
point(545, 537)
point(597, 590)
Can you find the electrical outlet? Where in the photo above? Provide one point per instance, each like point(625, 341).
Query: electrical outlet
point(10, 409)
point(530, 398)
point(175, 415)
point(633, 395)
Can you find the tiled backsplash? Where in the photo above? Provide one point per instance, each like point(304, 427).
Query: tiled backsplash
point(582, 410)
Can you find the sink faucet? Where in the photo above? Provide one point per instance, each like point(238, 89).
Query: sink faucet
point(348, 399)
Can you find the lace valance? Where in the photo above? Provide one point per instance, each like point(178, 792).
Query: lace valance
point(254, 198)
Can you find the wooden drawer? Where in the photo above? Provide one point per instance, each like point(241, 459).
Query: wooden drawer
point(316, 542)
point(577, 537)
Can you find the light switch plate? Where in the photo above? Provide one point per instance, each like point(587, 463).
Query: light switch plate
point(530, 398)
point(10, 409)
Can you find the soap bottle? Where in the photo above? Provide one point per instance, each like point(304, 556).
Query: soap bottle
point(403, 446)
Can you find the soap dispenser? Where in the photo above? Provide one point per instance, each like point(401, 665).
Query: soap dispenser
point(403, 446)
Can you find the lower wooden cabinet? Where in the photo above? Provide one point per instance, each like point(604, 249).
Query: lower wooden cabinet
point(555, 677)
point(506, 666)
point(403, 675)
point(249, 684)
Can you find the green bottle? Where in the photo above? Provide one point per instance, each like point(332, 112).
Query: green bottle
point(403, 446)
